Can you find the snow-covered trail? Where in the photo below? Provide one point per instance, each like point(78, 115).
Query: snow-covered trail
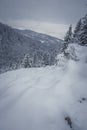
point(41, 98)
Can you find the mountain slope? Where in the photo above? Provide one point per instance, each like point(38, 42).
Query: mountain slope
point(16, 47)
point(50, 98)
point(43, 38)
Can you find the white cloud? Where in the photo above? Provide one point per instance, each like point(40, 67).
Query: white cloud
point(57, 30)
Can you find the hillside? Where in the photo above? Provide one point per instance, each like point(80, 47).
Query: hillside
point(50, 98)
point(25, 49)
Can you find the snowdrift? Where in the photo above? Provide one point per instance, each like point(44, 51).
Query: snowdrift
point(50, 98)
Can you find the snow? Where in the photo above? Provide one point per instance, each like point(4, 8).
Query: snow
point(42, 41)
point(41, 98)
point(18, 50)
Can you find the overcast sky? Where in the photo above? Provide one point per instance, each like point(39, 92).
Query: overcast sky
point(47, 16)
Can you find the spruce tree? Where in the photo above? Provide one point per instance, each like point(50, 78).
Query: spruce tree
point(80, 32)
point(69, 34)
point(77, 31)
point(68, 39)
point(83, 33)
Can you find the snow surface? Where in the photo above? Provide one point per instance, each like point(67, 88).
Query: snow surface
point(41, 98)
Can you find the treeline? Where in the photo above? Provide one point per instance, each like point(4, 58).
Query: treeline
point(79, 35)
point(39, 59)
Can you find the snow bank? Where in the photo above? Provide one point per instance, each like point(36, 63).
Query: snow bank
point(41, 98)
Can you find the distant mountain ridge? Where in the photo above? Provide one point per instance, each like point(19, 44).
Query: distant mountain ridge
point(26, 48)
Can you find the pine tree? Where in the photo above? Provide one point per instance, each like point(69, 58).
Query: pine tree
point(83, 33)
point(46, 59)
point(68, 39)
point(27, 61)
point(77, 31)
point(80, 32)
point(69, 34)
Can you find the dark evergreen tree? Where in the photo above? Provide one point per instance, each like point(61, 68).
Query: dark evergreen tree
point(77, 29)
point(83, 32)
point(46, 59)
point(68, 39)
point(80, 32)
point(69, 34)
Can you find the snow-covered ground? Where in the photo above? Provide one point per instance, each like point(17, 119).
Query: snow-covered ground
point(42, 98)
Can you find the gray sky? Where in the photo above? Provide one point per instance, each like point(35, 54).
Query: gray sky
point(37, 14)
